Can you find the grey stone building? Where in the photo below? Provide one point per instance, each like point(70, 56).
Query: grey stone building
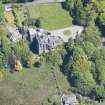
point(46, 42)
point(43, 40)
point(32, 33)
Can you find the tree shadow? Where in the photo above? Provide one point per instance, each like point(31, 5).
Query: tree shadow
point(66, 59)
point(101, 27)
point(64, 5)
point(23, 1)
point(33, 46)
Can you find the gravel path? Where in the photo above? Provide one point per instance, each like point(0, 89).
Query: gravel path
point(74, 31)
point(35, 2)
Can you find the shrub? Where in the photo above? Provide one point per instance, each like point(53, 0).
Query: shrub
point(1, 75)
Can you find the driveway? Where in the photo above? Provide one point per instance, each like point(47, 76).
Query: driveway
point(35, 2)
point(74, 31)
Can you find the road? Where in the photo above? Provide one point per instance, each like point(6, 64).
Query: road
point(74, 31)
point(35, 2)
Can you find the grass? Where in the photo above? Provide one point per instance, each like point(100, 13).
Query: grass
point(66, 33)
point(31, 86)
point(52, 16)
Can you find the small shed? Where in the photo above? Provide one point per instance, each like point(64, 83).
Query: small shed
point(69, 100)
point(8, 7)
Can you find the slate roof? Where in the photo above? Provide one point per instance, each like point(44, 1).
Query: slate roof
point(8, 7)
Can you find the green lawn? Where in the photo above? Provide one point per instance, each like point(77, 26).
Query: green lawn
point(66, 33)
point(31, 87)
point(52, 15)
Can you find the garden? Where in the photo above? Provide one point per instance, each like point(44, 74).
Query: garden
point(51, 16)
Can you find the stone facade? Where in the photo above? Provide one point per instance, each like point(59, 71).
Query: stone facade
point(46, 42)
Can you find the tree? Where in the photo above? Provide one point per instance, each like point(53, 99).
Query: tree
point(38, 23)
point(1, 60)
point(78, 70)
point(1, 75)
point(88, 48)
point(99, 54)
point(55, 100)
point(18, 66)
point(100, 9)
point(11, 62)
point(82, 12)
point(79, 61)
point(54, 58)
point(3, 37)
point(30, 60)
point(87, 1)
point(70, 5)
point(21, 51)
point(92, 35)
point(98, 93)
point(83, 81)
point(1, 12)
point(100, 71)
point(5, 49)
point(102, 19)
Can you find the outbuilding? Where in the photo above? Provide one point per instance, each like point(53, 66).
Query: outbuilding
point(69, 100)
point(8, 7)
